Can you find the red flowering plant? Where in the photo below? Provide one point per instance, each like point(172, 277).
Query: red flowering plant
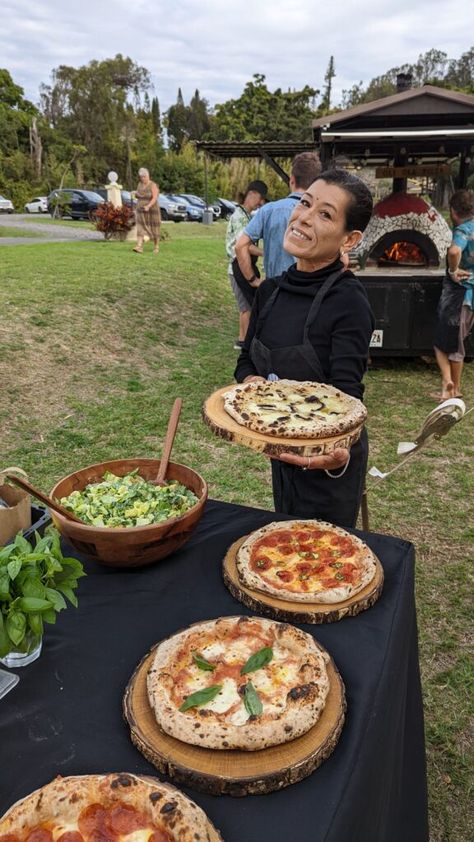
point(114, 221)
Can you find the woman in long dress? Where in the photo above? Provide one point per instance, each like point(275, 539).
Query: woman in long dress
point(147, 211)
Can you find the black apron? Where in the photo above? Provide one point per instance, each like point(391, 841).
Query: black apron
point(310, 494)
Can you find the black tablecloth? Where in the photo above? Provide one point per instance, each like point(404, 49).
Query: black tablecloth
point(65, 715)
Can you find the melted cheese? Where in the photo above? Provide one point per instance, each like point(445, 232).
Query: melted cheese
point(226, 698)
point(213, 650)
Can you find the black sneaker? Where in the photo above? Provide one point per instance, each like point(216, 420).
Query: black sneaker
point(238, 345)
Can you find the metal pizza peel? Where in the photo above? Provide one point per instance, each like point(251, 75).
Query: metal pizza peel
point(437, 424)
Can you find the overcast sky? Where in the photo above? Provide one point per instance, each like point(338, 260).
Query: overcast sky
point(217, 45)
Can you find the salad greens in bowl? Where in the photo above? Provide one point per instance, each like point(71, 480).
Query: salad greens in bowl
point(127, 520)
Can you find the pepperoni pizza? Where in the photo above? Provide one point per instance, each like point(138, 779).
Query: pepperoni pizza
point(305, 561)
point(106, 808)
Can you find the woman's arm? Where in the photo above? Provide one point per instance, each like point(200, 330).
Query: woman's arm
point(154, 196)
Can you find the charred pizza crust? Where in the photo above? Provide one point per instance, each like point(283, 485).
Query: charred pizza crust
point(59, 804)
point(302, 558)
point(292, 687)
point(294, 409)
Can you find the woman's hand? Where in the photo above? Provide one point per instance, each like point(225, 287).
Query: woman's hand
point(251, 378)
point(329, 462)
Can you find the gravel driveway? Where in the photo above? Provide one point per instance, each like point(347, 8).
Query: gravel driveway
point(50, 233)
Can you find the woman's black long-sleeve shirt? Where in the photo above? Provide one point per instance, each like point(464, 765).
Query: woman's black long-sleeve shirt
point(340, 333)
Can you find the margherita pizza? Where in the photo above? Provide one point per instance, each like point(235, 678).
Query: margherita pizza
point(238, 683)
point(293, 409)
point(106, 808)
point(305, 561)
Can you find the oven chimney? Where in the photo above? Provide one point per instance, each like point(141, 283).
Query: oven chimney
point(404, 81)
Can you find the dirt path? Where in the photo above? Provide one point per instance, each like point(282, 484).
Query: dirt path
point(51, 233)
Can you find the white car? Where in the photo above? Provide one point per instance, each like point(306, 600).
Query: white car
point(6, 206)
point(38, 205)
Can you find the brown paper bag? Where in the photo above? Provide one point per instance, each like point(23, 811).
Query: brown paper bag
point(18, 514)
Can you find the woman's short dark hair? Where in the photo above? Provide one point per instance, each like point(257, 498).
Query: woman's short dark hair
point(462, 202)
point(359, 209)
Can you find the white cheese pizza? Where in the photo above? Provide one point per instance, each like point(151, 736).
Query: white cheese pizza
point(238, 683)
point(294, 409)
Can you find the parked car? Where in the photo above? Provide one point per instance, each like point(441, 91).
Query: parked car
point(38, 205)
point(227, 207)
point(193, 212)
point(198, 202)
point(127, 198)
point(78, 204)
point(6, 206)
point(172, 208)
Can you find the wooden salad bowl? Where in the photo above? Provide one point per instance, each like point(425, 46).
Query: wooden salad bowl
point(134, 546)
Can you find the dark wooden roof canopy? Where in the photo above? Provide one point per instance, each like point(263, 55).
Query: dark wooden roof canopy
point(417, 126)
point(420, 125)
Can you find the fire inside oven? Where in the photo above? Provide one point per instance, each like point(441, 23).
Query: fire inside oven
point(403, 254)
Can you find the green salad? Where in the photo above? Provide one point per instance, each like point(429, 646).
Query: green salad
point(129, 501)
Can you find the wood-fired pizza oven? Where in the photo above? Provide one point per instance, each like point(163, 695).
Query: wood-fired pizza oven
point(404, 231)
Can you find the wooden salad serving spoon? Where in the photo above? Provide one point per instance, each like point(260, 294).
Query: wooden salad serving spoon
point(48, 501)
point(169, 439)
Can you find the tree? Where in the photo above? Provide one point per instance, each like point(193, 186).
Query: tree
point(176, 121)
point(93, 105)
point(431, 68)
point(198, 120)
point(156, 119)
point(259, 114)
point(16, 116)
point(325, 105)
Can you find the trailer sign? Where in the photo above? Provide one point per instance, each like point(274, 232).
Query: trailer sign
point(377, 339)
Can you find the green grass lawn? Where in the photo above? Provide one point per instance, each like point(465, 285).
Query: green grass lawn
point(95, 344)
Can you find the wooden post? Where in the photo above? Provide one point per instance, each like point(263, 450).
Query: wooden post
point(364, 510)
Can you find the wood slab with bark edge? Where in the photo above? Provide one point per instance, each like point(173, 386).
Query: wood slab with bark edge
point(226, 427)
point(298, 612)
point(234, 772)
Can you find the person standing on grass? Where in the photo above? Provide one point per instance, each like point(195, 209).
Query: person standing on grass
point(456, 305)
point(147, 211)
point(252, 199)
point(271, 221)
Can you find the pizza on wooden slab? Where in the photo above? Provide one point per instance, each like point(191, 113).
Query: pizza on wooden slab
point(294, 409)
point(238, 683)
point(105, 808)
point(305, 561)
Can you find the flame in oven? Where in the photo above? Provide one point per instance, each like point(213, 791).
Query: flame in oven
point(407, 253)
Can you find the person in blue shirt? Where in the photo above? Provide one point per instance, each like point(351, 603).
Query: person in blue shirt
point(271, 221)
point(456, 305)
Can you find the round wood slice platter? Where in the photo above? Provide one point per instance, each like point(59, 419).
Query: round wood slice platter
point(298, 612)
point(225, 772)
point(226, 427)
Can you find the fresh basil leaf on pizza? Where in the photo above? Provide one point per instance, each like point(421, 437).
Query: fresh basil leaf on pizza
point(305, 561)
point(294, 409)
point(268, 686)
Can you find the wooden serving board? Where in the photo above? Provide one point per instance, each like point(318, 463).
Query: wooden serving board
point(298, 612)
point(223, 425)
point(228, 772)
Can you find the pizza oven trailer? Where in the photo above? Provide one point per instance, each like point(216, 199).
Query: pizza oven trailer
point(415, 132)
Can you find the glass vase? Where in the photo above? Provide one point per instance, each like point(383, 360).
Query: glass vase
point(30, 650)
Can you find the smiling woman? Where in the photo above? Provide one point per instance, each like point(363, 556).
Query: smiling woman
point(314, 323)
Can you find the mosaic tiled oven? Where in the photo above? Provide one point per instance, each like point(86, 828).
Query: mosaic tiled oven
point(404, 231)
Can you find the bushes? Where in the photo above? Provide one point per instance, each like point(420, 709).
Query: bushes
point(114, 221)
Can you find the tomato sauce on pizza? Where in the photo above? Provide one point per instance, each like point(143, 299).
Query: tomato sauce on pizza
point(305, 561)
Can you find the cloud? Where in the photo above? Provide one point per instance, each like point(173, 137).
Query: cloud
point(217, 47)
